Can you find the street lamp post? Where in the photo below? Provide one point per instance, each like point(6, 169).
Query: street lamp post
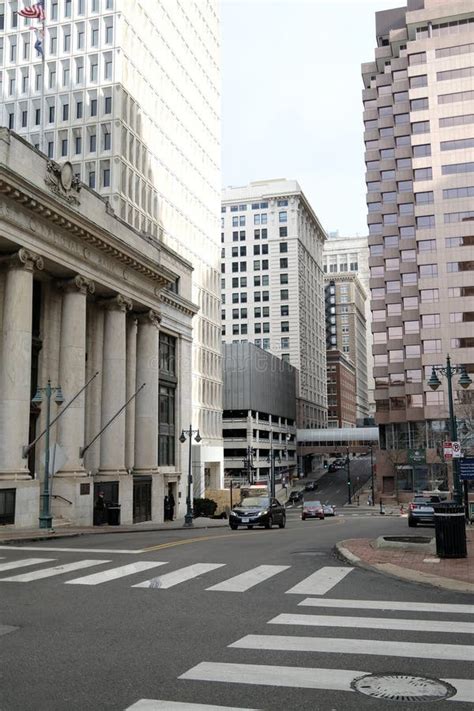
point(348, 462)
point(45, 518)
point(248, 463)
point(464, 381)
point(372, 474)
point(188, 518)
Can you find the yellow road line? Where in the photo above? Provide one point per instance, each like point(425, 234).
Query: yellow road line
point(171, 544)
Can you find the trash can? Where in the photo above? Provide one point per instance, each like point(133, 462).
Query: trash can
point(450, 530)
point(113, 515)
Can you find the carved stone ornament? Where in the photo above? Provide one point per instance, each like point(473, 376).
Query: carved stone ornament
point(150, 317)
point(23, 259)
point(78, 283)
point(118, 303)
point(62, 182)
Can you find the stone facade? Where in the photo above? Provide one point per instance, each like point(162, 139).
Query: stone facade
point(84, 298)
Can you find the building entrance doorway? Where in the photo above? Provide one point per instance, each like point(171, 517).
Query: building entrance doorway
point(141, 499)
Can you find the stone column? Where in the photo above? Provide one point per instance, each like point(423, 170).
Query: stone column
point(146, 408)
point(131, 386)
point(15, 363)
point(112, 440)
point(72, 370)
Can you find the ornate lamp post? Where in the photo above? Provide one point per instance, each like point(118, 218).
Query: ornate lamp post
point(248, 463)
point(349, 483)
point(464, 381)
point(188, 518)
point(45, 519)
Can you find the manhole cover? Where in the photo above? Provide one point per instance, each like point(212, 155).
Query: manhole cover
point(401, 687)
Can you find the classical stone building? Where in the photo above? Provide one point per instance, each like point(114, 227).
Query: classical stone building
point(82, 293)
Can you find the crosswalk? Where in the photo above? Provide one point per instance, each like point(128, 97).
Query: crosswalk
point(318, 582)
point(329, 651)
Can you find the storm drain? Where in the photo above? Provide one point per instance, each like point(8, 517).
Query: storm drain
point(401, 687)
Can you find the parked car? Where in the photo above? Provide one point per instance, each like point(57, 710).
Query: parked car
point(295, 497)
point(332, 468)
point(257, 511)
point(329, 510)
point(421, 510)
point(312, 509)
point(339, 462)
point(311, 486)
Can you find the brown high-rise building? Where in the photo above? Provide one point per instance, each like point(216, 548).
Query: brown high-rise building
point(419, 139)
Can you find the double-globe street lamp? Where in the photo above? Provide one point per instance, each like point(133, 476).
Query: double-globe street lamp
point(464, 381)
point(249, 463)
point(188, 518)
point(45, 519)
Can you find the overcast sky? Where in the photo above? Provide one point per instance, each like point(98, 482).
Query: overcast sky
point(292, 104)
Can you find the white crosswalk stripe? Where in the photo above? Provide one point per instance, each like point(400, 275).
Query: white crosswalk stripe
point(298, 677)
point(247, 580)
point(106, 576)
point(50, 572)
point(23, 563)
point(320, 582)
point(169, 580)
point(337, 645)
point(435, 607)
point(341, 679)
point(159, 705)
point(374, 623)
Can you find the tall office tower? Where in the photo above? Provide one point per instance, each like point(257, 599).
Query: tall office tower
point(129, 93)
point(351, 254)
point(346, 331)
point(419, 138)
point(272, 283)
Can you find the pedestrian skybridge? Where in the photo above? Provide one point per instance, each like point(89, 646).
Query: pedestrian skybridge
point(337, 440)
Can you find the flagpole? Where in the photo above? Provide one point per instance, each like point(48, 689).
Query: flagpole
point(43, 63)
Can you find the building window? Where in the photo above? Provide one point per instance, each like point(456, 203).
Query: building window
point(283, 216)
point(108, 105)
point(167, 410)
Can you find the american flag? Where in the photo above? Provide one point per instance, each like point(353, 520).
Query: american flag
point(34, 11)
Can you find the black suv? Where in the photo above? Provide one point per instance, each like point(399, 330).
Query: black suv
point(257, 511)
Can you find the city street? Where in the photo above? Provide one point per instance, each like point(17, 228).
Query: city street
point(333, 488)
point(248, 620)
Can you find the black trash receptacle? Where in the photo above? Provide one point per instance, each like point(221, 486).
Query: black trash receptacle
point(113, 515)
point(450, 529)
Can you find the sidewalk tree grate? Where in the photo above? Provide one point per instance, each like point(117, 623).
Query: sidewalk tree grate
point(402, 687)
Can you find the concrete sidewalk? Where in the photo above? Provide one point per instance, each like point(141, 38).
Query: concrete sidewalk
point(10, 535)
point(448, 573)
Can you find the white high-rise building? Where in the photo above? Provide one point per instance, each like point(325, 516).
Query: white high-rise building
point(129, 93)
point(273, 283)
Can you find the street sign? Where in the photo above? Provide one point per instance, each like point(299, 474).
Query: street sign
point(447, 450)
point(456, 446)
point(466, 469)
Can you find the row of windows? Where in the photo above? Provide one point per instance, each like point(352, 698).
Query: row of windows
point(66, 43)
point(52, 10)
point(427, 296)
point(418, 127)
point(419, 151)
point(258, 219)
point(409, 255)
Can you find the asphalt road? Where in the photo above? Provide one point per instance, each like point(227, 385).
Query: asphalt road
point(333, 487)
point(87, 643)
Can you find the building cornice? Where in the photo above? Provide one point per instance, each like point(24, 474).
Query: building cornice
point(48, 208)
point(178, 302)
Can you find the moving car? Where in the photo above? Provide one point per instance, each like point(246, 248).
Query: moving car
point(257, 511)
point(295, 497)
point(421, 510)
point(332, 468)
point(339, 462)
point(312, 509)
point(329, 510)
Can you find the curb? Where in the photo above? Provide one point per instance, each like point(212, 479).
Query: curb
point(413, 576)
point(113, 529)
